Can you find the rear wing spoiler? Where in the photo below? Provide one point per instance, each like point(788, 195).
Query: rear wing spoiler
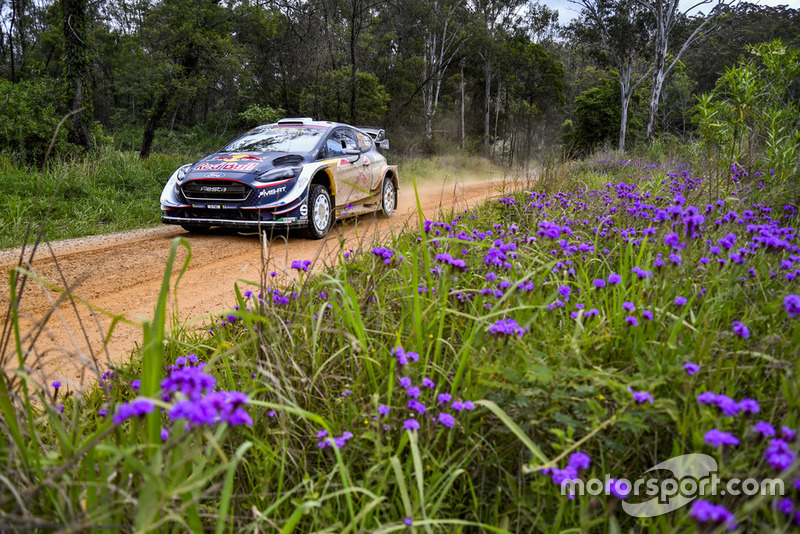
point(377, 134)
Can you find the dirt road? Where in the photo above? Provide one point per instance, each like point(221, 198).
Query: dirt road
point(121, 274)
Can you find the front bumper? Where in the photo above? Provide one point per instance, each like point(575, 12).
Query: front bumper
point(232, 223)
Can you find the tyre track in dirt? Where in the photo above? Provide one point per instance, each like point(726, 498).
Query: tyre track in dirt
point(122, 273)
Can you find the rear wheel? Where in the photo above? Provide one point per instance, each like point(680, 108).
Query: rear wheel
point(388, 197)
point(320, 212)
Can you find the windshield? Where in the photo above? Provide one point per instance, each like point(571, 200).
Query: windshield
point(277, 139)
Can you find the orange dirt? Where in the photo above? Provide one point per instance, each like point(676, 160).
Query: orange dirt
point(121, 275)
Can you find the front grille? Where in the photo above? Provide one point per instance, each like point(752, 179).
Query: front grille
point(215, 190)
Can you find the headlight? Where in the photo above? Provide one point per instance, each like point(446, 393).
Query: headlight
point(181, 172)
point(277, 174)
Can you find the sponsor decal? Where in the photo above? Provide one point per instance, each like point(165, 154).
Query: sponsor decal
point(226, 166)
point(287, 219)
point(214, 206)
point(229, 207)
point(214, 175)
point(303, 211)
point(198, 205)
point(213, 188)
point(343, 162)
point(238, 157)
point(270, 192)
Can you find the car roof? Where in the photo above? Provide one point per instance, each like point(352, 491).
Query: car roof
point(308, 121)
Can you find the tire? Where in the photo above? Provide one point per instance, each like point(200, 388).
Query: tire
point(388, 197)
point(320, 212)
point(196, 228)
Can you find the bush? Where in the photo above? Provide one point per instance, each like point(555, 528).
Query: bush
point(29, 115)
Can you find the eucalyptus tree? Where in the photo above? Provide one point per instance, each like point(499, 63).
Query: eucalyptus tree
point(497, 18)
point(617, 31)
point(667, 16)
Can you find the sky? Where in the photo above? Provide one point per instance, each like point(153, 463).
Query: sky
point(568, 11)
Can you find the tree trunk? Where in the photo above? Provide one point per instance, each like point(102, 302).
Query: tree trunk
point(156, 114)
point(76, 67)
point(488, 98)
point(463, 127)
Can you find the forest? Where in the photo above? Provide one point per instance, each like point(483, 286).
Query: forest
point(500, 78)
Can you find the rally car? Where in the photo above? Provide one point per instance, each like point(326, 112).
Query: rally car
point(297, 173)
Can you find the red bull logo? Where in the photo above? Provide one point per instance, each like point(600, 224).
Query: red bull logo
point(238, 157)
point(231, 163)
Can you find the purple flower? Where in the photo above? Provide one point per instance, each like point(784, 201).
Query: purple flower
point(705, 512)
point(565, 292)
point(642, 397)
point(135, 385)
point(647, 314)
point(628, 306)
point(428, 383)
point(709, 397)
point(579, 460)
point(134, 409)
point(405, 382)
point(680, 301)
point(301, 265)
point(599, 283)
point(383, 410)
point(691, 368)
point(618, 488)
point(56, 385)
point(749, 405)
point(717, 438)
point(417, 406)
point(614, 279)
point(765, 429)
point(164, 434)
point(779, 454)
point(632, 320)
point(411, 424)
point(740, 329)
point(788, 433)
point(447, 420)
point(792, 305)
point(508, 327)
point(413, 392)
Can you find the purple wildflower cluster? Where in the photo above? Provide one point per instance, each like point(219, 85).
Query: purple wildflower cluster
point(728, 406)
point(576, 462)
point(507, 327)
point(193, 398)
point(705, 512)
point(301, 265)
point(386, 254)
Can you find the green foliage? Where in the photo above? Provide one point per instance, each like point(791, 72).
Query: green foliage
point(328, 97)
point(105, 192)
point(255, 115)
point(597, 117)
point(30, 112)
point(751, 116)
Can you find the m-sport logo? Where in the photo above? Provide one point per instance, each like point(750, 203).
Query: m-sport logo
point(210, 189)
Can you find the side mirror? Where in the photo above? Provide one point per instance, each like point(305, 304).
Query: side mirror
point(352, 152)
point(384, 144)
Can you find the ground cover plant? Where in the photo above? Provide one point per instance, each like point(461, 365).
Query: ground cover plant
point(451, 378)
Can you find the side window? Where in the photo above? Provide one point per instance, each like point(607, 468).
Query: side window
point(339, 142)
point(365, 140)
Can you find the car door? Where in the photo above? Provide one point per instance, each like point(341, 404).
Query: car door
point(341, 144)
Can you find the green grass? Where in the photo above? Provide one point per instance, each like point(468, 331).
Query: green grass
point(318, 354)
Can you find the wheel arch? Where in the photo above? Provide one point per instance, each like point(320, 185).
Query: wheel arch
point(324, 177)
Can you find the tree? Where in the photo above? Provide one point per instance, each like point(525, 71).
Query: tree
point(191, 44)
point(666, 19)
point(442, 39)
point(617, 30)
point(76, 68)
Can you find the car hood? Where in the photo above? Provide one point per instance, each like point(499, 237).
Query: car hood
point(224, 164)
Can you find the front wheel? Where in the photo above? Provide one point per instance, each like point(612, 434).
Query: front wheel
point(388, 197)
point(320, 212)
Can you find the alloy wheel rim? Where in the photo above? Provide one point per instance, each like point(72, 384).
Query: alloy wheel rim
point(322, 212)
